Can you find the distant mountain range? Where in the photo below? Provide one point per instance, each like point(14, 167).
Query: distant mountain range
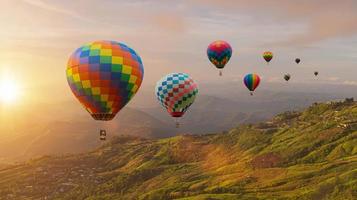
point(78, 134)
point(296, 155)
point(62, 128)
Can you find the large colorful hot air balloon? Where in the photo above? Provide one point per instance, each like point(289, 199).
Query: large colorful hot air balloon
point(297, 60)
point(268, 56)
point(251, 81)
point(104, 76)
point(219, 52)
point(287, 77)
point(176, 92)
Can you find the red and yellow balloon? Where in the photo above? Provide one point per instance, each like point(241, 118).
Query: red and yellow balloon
point(268, 56)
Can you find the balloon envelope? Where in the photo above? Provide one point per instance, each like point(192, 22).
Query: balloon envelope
point(251, 81)
point(268, 56)
point(176, 92)
point(219, 52)
point(297, 60)
point(287, 77)
point(316, 73)
point(104, 76)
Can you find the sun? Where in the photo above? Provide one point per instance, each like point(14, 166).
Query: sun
point(9, 90)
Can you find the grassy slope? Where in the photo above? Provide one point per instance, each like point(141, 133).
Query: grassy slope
point(295, 156)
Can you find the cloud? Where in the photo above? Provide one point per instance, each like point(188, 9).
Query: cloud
point(333, 78)
point(103, 14)
point(352, 83)
point(323, 19)
point(336, 22)
point(49, 7)
point(273, 79)
point(169, 21)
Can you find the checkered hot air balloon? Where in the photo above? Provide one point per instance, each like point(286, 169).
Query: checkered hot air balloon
point(104, 76)
point(176, 92)
point(251, 81)
point(219, 52)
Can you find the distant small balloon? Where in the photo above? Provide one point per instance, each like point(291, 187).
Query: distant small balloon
point(287, 77)
point(297, 60)
point(251, 81)
point(268, 56)
point(316, 73)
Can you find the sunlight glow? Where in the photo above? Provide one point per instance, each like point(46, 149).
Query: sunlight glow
point(9, 90)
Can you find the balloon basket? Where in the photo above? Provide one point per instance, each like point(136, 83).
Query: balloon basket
point(251, 93)
point(220, 73)
point(102, 135)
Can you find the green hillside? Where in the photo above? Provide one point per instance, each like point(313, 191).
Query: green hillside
point(297, 155)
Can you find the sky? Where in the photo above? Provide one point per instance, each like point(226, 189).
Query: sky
point(37, 37)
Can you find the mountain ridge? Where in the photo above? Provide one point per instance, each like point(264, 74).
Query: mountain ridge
point(296, 155)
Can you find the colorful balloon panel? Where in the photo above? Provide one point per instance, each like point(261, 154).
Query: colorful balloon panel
point(268, 56)
point(104, 76)
point(176, 92)
point(251, 81)
point(219, 52)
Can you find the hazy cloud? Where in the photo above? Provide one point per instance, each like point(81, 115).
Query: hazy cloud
point(173, 36)
point(333, 78)
point(50, 7)
point(353, 83)
point(169, 21)
point(274, 79)
point(323, 19)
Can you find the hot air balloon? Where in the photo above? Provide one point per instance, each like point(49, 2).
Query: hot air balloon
point(268, 56)
point(251, 81)
point(219, 52)
point(287, 77)
point(316, 73)
point(176, 92)
point(297, 60)
point(104, 76)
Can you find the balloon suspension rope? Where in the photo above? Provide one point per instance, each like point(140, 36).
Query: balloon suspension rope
point(177, 122)
point(220, 73)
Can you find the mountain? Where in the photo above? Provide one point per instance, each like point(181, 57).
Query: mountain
point(296, 155)
point(211, 114)
point(208, 114)
point(61, 126)
point(76, 134)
